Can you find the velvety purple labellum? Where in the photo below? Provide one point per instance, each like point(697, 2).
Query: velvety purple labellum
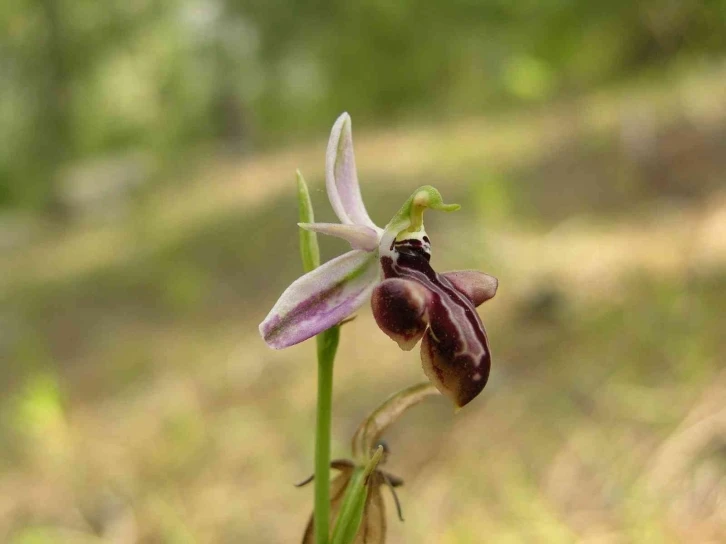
point(455, 351)
point(400, 308)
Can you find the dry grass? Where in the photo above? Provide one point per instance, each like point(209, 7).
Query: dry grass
point(140, 404)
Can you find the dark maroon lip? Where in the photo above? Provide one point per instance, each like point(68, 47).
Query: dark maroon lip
point(455, 340)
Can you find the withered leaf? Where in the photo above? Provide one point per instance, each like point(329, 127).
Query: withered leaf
point(370, 431)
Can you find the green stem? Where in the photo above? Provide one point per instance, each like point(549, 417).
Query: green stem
point(327, 347)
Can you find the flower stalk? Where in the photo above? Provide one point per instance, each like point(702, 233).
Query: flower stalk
point(327, 346)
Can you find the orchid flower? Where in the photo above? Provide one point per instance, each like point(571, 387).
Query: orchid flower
point(410, 300)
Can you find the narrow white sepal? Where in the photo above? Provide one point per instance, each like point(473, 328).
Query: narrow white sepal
point(341, 177)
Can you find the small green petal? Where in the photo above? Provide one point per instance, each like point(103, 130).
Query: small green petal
point(309, 250)
point(409, 218)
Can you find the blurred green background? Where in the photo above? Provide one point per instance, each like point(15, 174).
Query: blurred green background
point(147, 224)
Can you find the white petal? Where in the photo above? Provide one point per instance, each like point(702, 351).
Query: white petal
point(358, 236)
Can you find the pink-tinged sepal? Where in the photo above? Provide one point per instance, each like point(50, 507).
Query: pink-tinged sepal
point(320, 299)
point(400, 308)
point(477, 286)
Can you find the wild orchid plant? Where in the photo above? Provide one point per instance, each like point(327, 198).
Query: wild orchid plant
point(410, 302)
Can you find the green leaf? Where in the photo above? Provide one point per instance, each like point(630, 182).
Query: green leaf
point(309, 250)
point(351, 512)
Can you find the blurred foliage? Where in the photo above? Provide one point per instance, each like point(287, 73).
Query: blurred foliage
point(138, 402)
point(82, 78)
